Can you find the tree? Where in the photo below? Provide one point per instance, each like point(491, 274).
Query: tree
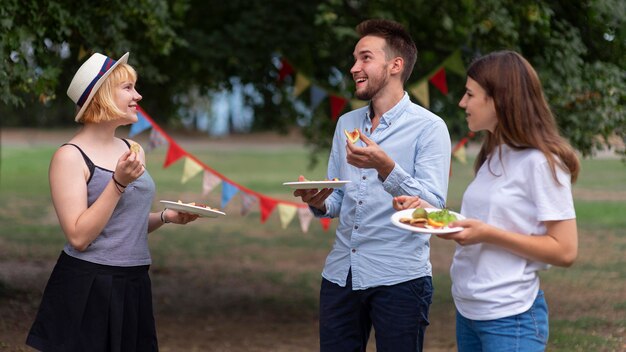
point(178, 46)
point(43, 41)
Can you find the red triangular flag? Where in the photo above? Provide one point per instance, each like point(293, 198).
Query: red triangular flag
point(325, 223)
point(267, 206)
point(174, 152)
point(285, 70)
point(337, 104)
point(460, 144)
point(439, 81)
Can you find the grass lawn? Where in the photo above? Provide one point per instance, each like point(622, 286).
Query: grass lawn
point(234, 284)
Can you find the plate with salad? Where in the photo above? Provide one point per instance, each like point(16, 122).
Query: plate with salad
point(427, 220)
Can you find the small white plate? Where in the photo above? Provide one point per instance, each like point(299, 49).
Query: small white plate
point(315, 184)
point(192, 209)
point(406, 213)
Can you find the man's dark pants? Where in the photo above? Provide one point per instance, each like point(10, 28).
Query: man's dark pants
point(398, 313)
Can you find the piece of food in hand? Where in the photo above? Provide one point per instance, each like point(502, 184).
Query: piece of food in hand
point(352, 136)
point(134, 148)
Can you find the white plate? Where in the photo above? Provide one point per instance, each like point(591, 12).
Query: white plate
point(315, 184)
point(188, 208)
point(406, 213)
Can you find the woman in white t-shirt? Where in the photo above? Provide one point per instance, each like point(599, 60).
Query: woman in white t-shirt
point(519, 209)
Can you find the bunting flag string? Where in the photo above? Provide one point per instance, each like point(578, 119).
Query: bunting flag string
point(419, 90)
point(286, 209)
point(212, 178)
point(437, 77)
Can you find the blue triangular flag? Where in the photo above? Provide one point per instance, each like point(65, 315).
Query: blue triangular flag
point(228, 191)
point(141, 125)
point(317, 95)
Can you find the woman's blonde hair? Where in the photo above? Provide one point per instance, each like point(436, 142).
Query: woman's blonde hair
point(524, 117)
point(102, 107)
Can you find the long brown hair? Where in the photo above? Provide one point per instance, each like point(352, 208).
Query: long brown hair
point(524, 117)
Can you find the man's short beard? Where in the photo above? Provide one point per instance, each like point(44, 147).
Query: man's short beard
point(365, 95)
point(372, 90)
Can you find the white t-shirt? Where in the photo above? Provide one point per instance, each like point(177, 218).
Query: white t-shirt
point(489, 282)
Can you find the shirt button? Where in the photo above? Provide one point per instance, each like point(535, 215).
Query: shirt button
point(360, 202)
point(356, 227)
point(365, 177)
point(353, 250)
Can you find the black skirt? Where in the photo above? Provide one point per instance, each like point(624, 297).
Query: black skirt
point(93, 307)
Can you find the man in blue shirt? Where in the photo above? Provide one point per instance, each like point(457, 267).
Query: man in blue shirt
point(377, 274)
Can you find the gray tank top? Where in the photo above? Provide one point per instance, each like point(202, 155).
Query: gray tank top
point(124, 239)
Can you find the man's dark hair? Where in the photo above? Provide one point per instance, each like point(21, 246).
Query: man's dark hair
point(399, 41)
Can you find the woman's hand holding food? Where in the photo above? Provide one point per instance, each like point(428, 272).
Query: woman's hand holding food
point(128, 168)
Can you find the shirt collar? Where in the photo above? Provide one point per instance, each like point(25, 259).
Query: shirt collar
point(392, 114)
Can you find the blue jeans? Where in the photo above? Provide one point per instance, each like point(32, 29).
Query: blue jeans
point(399, 314)
point(524, 332)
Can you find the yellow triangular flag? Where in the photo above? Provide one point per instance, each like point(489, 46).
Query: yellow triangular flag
point(454, 63)
point(420, 92)
point(358, 103)
point(301, 84)
point(81, 53)
point(460, 154)
point(190, 170)
point(286, 213)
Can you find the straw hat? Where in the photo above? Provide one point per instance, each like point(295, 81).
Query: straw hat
point(89, 78)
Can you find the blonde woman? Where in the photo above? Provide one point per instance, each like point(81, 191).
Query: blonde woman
point(519, 209)
point(98, 297)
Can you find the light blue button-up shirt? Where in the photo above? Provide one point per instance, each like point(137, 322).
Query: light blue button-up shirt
point(378, 252)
